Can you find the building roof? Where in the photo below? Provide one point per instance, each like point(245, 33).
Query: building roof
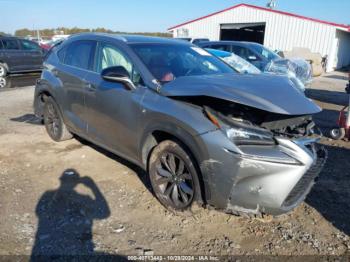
point(264, 9)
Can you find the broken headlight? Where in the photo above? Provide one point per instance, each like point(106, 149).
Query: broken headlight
point(239, 131)
point(249, 136)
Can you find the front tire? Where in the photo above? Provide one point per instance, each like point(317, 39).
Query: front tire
point(173, 176)
point(53, 121)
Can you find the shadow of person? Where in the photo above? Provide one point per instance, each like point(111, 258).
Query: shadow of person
point(66, 218)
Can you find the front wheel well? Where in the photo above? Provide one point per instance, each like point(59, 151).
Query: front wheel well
point(155, 138)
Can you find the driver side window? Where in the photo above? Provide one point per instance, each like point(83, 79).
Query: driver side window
point(245, 53)
point(109, 55)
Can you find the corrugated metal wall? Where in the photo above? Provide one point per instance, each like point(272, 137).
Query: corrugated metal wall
point(282, 32)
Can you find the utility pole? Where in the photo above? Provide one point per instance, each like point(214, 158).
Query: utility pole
point(38, 35)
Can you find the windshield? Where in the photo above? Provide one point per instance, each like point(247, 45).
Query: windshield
point(265, 52)
point(168, 62)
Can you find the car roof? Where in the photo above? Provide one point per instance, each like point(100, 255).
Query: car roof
point(239, 43)
point(8, 37)
point(129, 39)
point(14, 38)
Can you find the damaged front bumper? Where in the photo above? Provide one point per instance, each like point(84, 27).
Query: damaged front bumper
point(260, 179)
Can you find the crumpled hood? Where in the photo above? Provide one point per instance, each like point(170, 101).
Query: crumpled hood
point(270, 93)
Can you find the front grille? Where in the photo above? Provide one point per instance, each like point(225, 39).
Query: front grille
point(304, 183)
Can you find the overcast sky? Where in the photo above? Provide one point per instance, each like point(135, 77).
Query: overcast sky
point(143, 15)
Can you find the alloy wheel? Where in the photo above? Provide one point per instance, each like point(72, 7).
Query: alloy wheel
point(2, 71)
point(2, 82)
point(174, 181)
point(53, 120)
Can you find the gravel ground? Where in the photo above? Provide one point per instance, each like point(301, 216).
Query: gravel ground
point(75, 198)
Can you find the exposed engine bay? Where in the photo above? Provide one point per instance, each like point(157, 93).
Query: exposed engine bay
point(236, 114)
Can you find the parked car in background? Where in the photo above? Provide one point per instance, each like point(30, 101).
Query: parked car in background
point(48, 45)
point(194, 41)
point(243, 66)
point(202, 131)
point(264, 59)
point(19, 56)
point(45, 45)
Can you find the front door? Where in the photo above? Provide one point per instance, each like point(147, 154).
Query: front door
point(113, 110)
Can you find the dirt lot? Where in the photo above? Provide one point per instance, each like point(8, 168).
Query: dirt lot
point(114, 211)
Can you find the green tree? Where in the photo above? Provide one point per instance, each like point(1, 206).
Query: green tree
point(49, 32)
point(23, 32)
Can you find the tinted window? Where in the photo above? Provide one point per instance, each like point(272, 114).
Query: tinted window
point(11, 44)
point(80, 54)
point(1, 45)
point(244, 52)
point(29, 45)
point(109, 55)
point(167, 62)
point(268, 54)
point(61, 54)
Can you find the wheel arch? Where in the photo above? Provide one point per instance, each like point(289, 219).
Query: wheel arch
point(6, 65)
point(185, 139)
point(42, 91)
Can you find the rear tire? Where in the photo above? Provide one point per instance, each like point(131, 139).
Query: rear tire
point(173, 176)
point(337, 133)
point(53, 121)
point(3, 70)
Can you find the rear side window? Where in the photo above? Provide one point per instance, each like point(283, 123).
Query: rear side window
point(11, 44)
point(29, 45)
point(1, 47)
point(61, 54)
point(80, 54)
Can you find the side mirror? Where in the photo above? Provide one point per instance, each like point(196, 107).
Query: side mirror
point(252, 58)
point(118, 74)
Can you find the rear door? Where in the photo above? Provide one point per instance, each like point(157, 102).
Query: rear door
point(76, 59)
point(33, 55)
point(13, 54)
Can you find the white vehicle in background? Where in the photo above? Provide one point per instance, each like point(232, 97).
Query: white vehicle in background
point(59, 37)
point(244, 67)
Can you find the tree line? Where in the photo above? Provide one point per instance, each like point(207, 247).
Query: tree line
point(75, 30)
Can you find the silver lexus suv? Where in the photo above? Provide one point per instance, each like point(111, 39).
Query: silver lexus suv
point(203, 132)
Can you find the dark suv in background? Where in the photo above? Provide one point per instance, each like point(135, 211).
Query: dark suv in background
point(254, 53)
point(19, 55)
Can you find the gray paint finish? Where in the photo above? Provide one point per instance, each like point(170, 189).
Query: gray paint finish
point(274, 94)
point(123, 121)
